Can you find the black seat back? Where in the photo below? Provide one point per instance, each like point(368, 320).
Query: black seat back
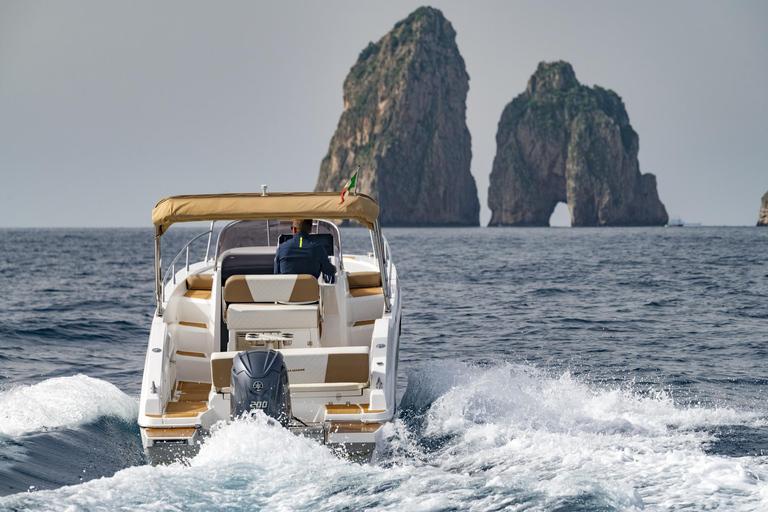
point(247, 261)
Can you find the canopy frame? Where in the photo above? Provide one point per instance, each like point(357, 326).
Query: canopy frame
point(318, 205)
point(300, 205)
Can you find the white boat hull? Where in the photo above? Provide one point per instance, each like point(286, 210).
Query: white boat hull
point(185, 389)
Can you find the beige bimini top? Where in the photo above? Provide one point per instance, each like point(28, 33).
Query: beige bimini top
point(298, 205)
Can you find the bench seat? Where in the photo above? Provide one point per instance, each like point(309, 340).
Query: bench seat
point(321, 368)
point(296, 288)
point(328, 370)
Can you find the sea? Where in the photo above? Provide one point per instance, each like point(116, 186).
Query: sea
point(553, 369)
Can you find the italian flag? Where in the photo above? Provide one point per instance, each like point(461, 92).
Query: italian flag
point(349, 186)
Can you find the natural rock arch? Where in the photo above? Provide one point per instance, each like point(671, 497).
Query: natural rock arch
point(561, 215)
point(561, 141)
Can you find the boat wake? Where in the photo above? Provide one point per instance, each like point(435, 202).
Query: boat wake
point(468, 437)
point(558, 442)
point(64, 431)
point(61, 402)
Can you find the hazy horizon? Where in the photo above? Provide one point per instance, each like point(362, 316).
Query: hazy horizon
point(106, 108)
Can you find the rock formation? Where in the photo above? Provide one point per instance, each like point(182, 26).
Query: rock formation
point(763, 219)
point(404, 124)
point(562, 141)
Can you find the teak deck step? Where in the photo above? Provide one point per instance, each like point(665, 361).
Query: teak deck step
point(190, 354)
point(200, 282)
point(193, 391)
point(184, 409)
point(348, 409)
point(345, 427)
point(364, 292)
point(193, 386)
point(170, 432)
point(342, 409)
point(198, 294)
point(194, 324)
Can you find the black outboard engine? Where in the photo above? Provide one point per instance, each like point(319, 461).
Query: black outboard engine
point(260, 381)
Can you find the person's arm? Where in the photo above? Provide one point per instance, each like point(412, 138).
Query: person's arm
point(277, 262)
point(325, 263)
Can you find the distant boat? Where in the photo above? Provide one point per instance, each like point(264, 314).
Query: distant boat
point(675, 222)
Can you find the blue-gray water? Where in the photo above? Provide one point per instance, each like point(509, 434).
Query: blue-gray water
point(540, 369)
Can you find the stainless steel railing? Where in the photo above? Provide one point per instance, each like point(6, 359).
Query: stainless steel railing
point(170, 273)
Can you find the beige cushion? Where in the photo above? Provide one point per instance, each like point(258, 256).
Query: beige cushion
point(200, 282)
point(221, 369)
point(364, 279)
point(272, 316)
point(269, 288)
point(346, 367)
point(313, 369)
point(366, 292)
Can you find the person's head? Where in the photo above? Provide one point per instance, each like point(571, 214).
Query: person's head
point(302, 225)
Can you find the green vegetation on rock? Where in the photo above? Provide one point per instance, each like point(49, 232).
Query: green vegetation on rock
point(404, 125)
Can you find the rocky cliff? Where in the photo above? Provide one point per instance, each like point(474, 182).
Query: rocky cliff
point(404, 124)
point(562, 141)
point(763, 219)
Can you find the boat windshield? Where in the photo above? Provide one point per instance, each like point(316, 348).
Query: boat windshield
point(268, 233)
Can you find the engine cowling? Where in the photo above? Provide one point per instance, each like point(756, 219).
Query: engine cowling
point(260, 382)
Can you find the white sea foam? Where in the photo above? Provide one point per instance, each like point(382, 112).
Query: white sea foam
point(61, 402)
point(560, 437)
point(538, 443)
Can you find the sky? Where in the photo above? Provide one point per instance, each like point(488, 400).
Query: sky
point(107, 107)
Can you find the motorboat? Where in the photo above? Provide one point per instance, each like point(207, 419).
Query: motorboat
point(230, 338)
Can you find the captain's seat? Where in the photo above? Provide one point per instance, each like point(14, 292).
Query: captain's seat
point(287, 303)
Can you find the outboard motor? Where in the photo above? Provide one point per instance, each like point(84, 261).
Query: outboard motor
point(260, 381)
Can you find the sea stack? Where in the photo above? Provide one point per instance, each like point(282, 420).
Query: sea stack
point(763, 219)
point(562, 141)
point(404, 125)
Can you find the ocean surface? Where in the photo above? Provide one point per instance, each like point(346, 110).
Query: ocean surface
point(540, 370)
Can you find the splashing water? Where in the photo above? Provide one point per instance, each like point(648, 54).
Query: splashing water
point(61, 402)
point(565, 442)
point(468, 438)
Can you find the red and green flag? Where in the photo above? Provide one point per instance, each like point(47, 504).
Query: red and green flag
point(349, 186)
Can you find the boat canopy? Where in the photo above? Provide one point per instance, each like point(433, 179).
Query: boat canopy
point(298, 205)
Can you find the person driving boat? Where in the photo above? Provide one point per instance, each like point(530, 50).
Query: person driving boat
point(300, 255)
